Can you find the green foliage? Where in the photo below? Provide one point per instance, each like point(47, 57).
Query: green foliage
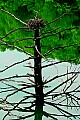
point(48, 10)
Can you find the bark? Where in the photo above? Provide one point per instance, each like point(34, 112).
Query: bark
point(38, 78)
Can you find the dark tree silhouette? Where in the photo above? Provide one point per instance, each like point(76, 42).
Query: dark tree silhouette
point(62, 97)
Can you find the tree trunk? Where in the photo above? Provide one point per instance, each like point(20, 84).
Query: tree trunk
point(38, 78)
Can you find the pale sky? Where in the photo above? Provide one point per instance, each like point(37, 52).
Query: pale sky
point(9, 57)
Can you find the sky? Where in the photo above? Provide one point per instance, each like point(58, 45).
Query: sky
point(9, 57)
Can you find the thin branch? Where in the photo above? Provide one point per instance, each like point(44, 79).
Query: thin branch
point(60, 47)
point(17, 90)
point(67, 87)
point(6, 115)
point(17, 76)
point(60, 32)
point(5, 88)
point(56, 95)
point(18, 103)
point(60, 62)
point(58, 114)
point(60, 109)
point(15, 17)
point(10, 94)
point(18, 109)
point(49, 31)
point(39, 52)
point(23, 39)
point(18, 48)
point(15, 64)
point(23, 117)
point(57, 19)
point(60, 84)
point(12, 32)
point(29, 46)
point(46, 114)
point(6, 91)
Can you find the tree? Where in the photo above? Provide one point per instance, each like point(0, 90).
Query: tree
point(24, 10)
point(66, 96)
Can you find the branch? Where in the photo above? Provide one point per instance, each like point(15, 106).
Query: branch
point(60, 32)
point(17, 76)
point(24, 117)
point(39, 52)
point(67, 87)
point(61, 83)
point(57, 18)
point(59, 62)
point(12, 32)
point(10, 45)
point(60, 47)
point(15, 17)
point(49, 31)
point(6, 115)
point(17, 90)
point(20, 40)
point(29, 46)
point(60, 109)
point(19, 103)
point(54, 95)
point(15, 64)
point(6, 90)
point(46, 114)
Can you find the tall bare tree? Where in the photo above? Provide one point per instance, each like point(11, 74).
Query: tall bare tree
point(62, 96)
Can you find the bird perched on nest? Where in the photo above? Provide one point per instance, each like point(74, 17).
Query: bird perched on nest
point(36, 23)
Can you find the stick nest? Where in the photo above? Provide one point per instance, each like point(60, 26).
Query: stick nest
point(36, 23)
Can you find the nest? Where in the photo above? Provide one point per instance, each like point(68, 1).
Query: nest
point(36, 23)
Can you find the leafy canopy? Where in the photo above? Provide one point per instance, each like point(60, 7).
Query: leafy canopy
point(48, 10)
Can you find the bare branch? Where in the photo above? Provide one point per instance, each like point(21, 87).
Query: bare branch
point(23, 117)
point(60, 47)
point(60, 84)
point(21, 28)
point(17, 90)
point(15, 64)
point(70, 60)
point(18, 48)
point(15, 17)
point(6, 115)
point(46, 114)
point(23, 39)
point(6, 90)
point(57, 18)
point(60, 32)
point(49, 31)
point(17, 76)
point(39, 52)
point(64, 112)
